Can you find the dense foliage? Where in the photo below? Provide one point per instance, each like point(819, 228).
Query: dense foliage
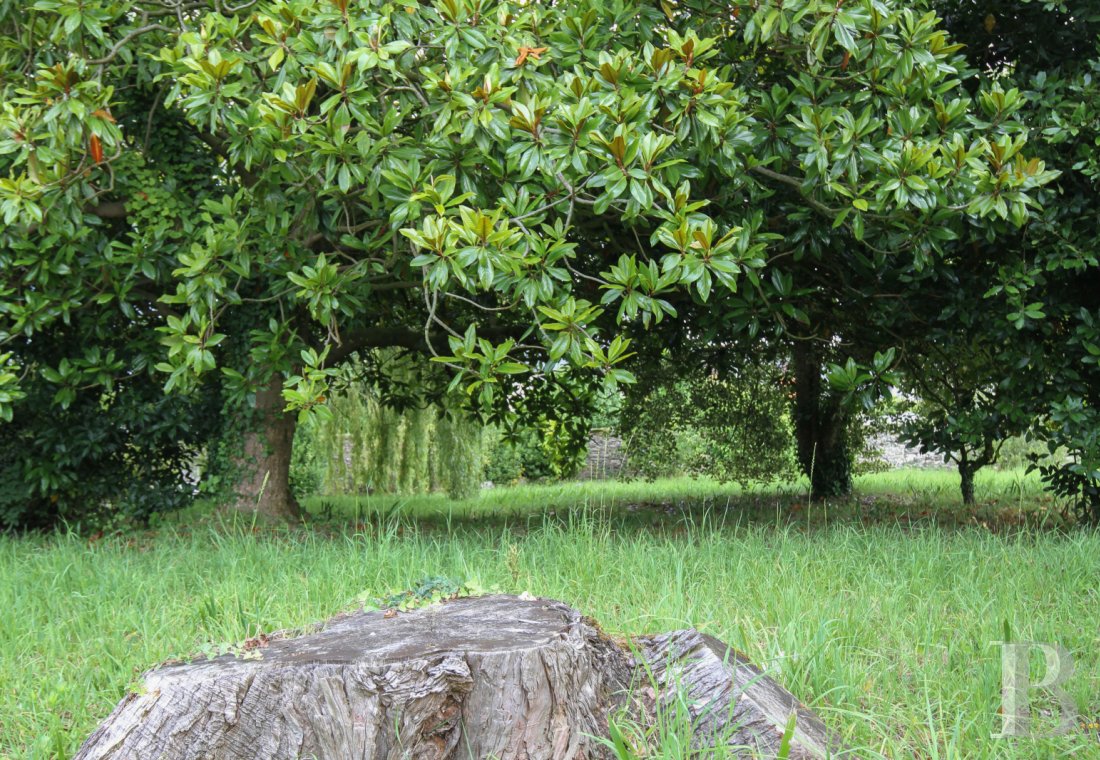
point(735, 427)
point(512, 188)
point(1010, 341)
point(121, 453)
point(120, 456)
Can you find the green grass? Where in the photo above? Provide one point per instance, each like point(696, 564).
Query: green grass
point(1006, 497)
point(882, 625)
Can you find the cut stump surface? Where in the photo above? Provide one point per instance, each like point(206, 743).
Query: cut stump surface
point(478, 677)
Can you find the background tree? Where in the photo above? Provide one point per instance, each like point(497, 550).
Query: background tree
point(835, 279)
point(961, 412)
point(1031, 316)
point(686, 418)
point(394, 436)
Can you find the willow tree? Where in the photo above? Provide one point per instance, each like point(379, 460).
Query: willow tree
point(369, 446)
point(508, 187)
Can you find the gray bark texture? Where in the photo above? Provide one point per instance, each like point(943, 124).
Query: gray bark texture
point(263, 487)
point(498, 677)
point(731, 704)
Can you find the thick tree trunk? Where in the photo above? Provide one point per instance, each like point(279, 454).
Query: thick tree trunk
point(821, 427)
point(480, 677)
point(263, 486)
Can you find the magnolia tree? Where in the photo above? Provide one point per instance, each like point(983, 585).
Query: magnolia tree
point(265, 189)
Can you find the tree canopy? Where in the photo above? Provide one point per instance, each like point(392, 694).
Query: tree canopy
point(262, 190)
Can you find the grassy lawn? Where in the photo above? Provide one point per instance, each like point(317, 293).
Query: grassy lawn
point(877, 614)
point(892, 494)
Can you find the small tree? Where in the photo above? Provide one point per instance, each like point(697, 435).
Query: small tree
point(682, 418)
point(1041, 302)
point(961, 423)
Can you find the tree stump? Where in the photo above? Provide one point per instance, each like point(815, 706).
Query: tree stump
point(730, 702)
point(478, 677)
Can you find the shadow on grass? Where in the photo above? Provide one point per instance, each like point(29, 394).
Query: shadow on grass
point(1011, 502)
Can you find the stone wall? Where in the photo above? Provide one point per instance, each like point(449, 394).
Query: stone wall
point(897, 455)
point(605, 457)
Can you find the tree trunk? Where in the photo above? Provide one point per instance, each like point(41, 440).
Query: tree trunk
point(966, 476)
point(263, 486)
point(821, 427)
point(499, 677)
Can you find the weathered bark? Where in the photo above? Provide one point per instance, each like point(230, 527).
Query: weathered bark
point(478, 677)
point(263, 484)
point(966, 482)
point(732, 703)
point(821, 427)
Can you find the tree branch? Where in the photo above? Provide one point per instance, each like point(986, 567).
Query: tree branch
point(403, 337)
point(249, 177)
point(794, 182)
point(122, 42)
point(108, 210)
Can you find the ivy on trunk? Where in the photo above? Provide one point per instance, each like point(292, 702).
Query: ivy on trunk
point(821, 419)
point(263, 485)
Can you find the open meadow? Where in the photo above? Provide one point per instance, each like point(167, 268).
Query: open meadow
point(880, 619)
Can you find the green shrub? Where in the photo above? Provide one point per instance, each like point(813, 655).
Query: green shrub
point(694, 423)
point(522, 456)
point(106, 458)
